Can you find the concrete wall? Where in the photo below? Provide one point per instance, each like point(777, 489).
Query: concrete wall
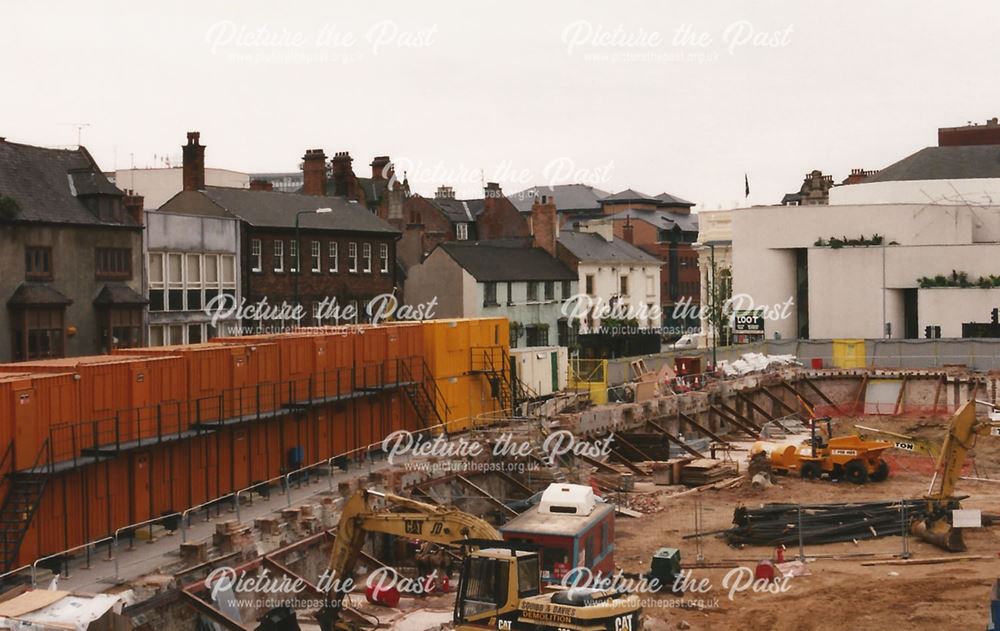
point(972, 191)
point(187, 233)
point(847, 295)
point(168, 232)
point(158, 185)
point(440, 277)
point(939, 305)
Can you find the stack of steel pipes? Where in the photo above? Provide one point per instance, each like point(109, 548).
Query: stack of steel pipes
point(776, 524)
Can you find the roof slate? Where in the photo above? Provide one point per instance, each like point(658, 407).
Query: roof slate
point(45, 183)
point(568, 197)
point(506, 260)
point(274, 209)
point(593, 248)
point(666, 219)
point(944, 163)
point(119, 294)
point(459, 210)
point(34, 294)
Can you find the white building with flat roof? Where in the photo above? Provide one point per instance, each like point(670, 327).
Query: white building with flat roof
point(868, 271)
point(160, 184)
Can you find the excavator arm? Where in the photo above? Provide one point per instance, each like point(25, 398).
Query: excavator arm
point(941, 499)
point(436, 524)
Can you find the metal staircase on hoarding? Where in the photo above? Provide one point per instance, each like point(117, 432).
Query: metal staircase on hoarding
point(492, 362)
point(24, 495)
point(419, 392)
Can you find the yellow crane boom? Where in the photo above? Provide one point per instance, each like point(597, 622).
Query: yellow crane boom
point(417, 520)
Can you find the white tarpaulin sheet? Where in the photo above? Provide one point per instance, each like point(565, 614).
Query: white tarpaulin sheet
point(69, 612)
point(754, 362)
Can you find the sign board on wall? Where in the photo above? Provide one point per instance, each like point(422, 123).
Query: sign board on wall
point(750, 322)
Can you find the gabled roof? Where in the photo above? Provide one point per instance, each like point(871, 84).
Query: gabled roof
point(569, 197)
point(665, 219)
point(374, 188)
point(459, 210)
point(666, 199)
point(944, 163)
point(629, 195)
point(589, 247)
point(45, 184)
point(274, 209)
point(506, 260)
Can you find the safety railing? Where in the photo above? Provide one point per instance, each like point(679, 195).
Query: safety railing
point(75, 443)
point(367, 454)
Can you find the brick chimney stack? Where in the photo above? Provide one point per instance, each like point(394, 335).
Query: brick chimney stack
point(344, 180)
point(261, 185)
point(314, 172)
point(628, 231)
point(444, 192)
point(544, 224)
point(134, 207)
point(194, 163)
point(382, 168)
point(492, 191)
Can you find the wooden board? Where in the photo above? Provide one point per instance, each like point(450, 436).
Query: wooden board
point(30, 601)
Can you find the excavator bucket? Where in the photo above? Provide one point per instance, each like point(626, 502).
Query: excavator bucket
point(940, 533)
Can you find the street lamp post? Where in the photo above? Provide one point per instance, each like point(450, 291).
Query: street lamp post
point(716, 316)
point(298, 247)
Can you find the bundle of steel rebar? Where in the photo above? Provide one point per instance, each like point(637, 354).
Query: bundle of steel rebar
point(776, 524)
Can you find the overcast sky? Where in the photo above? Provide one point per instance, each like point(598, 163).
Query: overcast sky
point(681, 97)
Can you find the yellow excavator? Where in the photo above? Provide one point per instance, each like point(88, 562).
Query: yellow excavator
point(500, 584)
point(936, 528)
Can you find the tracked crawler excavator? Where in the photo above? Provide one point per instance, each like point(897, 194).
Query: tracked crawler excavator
point(963, 430)
point(500, 583)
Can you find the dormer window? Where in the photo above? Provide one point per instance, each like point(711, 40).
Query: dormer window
point(462, 231)
point(105, 207)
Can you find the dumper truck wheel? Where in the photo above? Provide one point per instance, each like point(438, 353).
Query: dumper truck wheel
point(810, 470)
point(882, 472)
point(856, 472)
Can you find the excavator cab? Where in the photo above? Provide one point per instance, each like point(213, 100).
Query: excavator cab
point(500, 588)
point(492, 583)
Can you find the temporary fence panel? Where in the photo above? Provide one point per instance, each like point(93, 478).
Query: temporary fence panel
point(881, 396)
point(849, 353)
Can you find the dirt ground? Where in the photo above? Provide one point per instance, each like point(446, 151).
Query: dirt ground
point(838, 593)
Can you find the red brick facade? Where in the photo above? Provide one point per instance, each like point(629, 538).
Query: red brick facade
point(679, 276)
point(424, 225)
point(499, 219)
point(342, 284)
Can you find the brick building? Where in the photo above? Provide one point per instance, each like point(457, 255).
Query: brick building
point(343, 252)
point(664, 227)
point(70, 250)
point(382, 193)
point(428, 222)
point(520, 279)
